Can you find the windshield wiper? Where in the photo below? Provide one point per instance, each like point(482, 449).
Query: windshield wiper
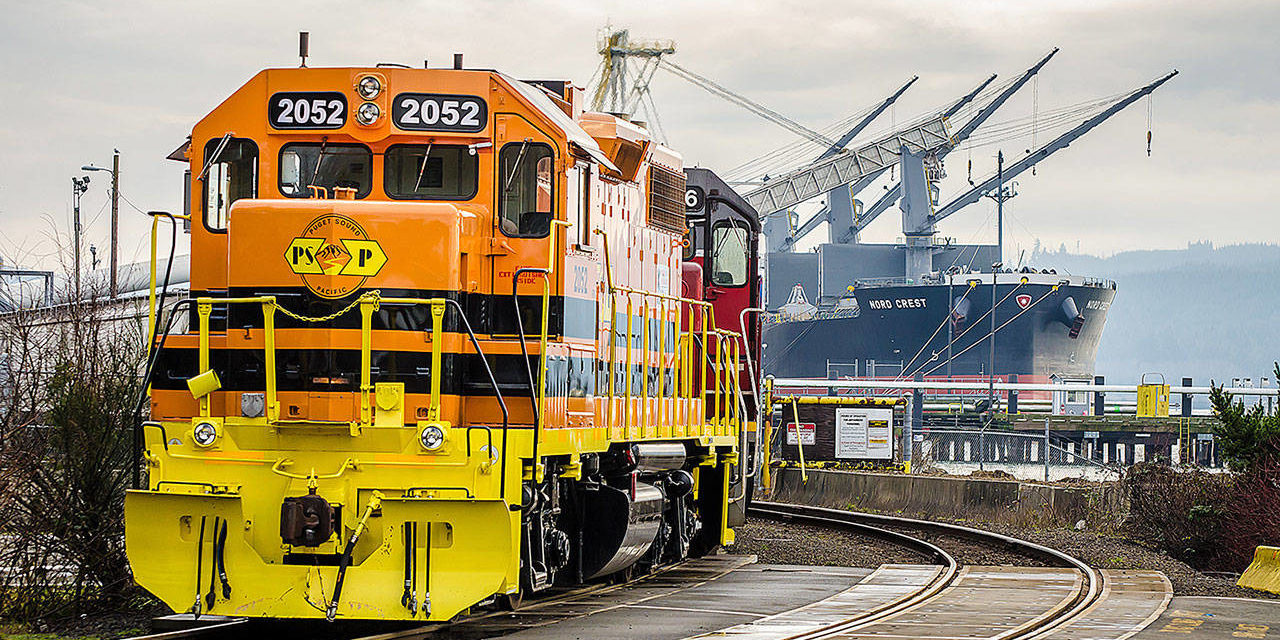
point(418, 185)
point(324, 144)
point(515, 168)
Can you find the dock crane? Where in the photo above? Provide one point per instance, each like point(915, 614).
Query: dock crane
point(839, 210)
point(843, 229)
point(919, 218)
point(778, 224)
point(1057, 144)
point(895, 192)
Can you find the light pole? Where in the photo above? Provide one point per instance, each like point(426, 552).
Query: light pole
point(991, 357)
point(115, 213)
point(78, 187)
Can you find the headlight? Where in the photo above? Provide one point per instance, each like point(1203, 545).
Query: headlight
point(432, 437)
point(205, 433)
point(368, 113)
point(369, 87)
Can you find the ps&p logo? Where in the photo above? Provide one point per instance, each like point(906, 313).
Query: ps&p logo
point(334, 256)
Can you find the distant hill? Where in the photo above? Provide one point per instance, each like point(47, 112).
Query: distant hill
point(1204, 312)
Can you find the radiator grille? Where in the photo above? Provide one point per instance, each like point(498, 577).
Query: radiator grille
point(666, 199)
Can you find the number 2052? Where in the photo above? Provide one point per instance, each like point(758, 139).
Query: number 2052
point(307, 110)
point(439, 112)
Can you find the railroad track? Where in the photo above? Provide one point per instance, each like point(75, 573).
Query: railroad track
point(364, 630)
point(906, 600)
point(944, 601)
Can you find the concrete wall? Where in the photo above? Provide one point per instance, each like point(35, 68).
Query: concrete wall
point(939, 496)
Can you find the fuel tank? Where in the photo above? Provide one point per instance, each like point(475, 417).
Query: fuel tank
point(623, 526)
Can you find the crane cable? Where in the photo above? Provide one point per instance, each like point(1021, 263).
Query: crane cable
point(1031, 306)
point(976, 322)
point(972, 285)
point(755, 107)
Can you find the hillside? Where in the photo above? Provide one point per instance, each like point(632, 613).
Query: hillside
point(1204, 312)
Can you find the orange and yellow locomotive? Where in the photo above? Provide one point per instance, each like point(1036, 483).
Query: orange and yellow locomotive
point(450, 340)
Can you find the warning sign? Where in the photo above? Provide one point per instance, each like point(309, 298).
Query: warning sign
point(864, 433)
point(334, 256)
point(807, 431)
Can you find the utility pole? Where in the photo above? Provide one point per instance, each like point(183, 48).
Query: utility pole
point(1000, 206)
point(115, 215)
point(999, 195)
point(115, 220)
point(78, 187)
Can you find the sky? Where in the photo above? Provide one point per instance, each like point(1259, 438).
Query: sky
point(83, 78)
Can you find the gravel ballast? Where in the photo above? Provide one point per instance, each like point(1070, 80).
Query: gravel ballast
point(778, 542)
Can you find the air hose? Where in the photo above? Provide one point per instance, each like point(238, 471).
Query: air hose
point(375, 502)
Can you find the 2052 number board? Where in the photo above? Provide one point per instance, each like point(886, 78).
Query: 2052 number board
point(307, 110)
point(439, 112)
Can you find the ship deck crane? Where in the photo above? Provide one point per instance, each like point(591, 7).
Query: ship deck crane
point(1055, 145)
point(895, 192)
point(778, 227)
point(836, 211)
point(823, 176)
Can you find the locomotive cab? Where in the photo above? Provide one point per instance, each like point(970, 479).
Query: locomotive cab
point(437, 354)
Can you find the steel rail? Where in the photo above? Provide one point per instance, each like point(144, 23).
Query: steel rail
point(1090, 592)
point(230, 627)
point(945, 578)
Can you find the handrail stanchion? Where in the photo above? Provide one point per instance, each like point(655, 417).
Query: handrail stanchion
point(626, 419)
point(662, 369)
point(542, 353)
point(269, 358)
point(203, 308)
point(644, 369)
point(437, 337)
point(366, 360)
point(613, 357)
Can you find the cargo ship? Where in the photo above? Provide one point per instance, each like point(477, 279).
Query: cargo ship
point(1047, 326)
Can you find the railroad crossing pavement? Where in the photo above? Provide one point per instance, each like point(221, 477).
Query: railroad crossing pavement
point(702, 595)
point(1205, 618)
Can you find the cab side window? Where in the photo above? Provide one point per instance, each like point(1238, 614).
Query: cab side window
point(525, 189)
point(232, 174)
point(730, 255)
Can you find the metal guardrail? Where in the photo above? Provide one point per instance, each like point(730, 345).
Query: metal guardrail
point(910, 385)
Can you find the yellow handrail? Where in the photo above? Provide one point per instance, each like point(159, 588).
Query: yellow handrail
point(366, 360)
point(368, 303)
point(795, 411)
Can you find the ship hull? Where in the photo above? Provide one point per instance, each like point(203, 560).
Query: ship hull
point(903, 330)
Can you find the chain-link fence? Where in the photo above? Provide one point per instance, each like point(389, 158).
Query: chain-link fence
point(1027, 456)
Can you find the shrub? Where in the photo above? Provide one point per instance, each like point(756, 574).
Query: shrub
point(1181, 512)
point(1246, 436)
point(71, 381)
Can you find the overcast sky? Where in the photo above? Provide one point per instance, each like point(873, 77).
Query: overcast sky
point(84, 77)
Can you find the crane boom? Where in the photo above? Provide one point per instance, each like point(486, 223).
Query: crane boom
point(825, 215)
point(742, 101)
point(862, 124)
point(895, 192)
point(821, 177)
point(1057, 144)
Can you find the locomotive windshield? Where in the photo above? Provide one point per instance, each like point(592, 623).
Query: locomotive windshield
point(325, 166)
point(448, 173)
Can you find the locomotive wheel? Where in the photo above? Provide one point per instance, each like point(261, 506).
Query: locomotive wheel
point(511, 601)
